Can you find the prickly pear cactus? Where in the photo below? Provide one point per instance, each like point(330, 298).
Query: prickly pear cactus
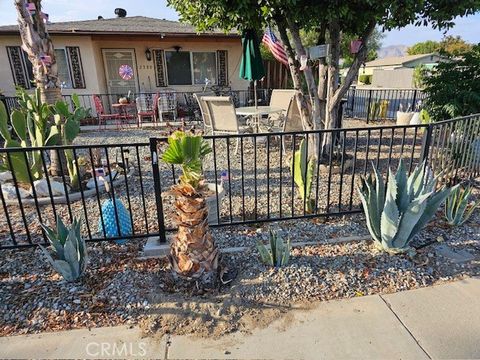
point(110, 221)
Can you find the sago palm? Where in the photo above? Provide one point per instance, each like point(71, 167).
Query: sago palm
point(193, 253)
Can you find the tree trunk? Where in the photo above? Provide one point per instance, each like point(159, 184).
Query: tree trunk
point(37, 44)
point(308, 74)
point(353, 70)
point(193, 253)
point(322, 76)
point(297, 84)
point(331, 86)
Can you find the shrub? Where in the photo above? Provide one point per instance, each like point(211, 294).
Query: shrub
point(396, 215)
point(365, 79)
point(453, 89)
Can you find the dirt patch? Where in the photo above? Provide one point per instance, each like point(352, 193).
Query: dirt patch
point(207, 317)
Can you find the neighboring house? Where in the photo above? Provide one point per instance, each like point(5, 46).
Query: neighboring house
point(397, 71)
point(161, 53)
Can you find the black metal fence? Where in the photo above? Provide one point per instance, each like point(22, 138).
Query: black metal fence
point(249, 175)
point(381, 104)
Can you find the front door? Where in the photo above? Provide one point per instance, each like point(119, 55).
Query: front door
point(120, 71)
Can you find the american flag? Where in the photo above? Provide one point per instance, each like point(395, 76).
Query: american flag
point(275, 46)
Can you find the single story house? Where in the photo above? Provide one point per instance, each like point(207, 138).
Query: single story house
point(396, 71)
point(158, 53)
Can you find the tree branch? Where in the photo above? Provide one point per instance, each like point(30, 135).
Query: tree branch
point(352, 73)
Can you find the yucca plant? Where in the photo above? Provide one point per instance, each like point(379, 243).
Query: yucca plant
point(69, 252)
point(193, 253)
point(302, 169)
point(279, 252)
point(457, 208)
point(396, 215)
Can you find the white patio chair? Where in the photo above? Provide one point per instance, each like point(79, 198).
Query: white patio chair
point(207, 123)
point(292, 121)
point(167, 103)
point(281, 99)
point(223, 117)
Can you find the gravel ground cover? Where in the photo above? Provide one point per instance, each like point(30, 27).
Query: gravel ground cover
point(121, 288)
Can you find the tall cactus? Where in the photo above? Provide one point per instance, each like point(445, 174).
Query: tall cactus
point(68, 126)
point(396, 215)
point(302, 169)
point(31, 127)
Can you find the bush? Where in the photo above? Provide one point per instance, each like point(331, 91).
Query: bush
point(453, 89)
point(365, 79)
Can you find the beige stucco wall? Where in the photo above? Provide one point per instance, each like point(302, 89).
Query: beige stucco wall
point(401, 78)
point(369, 70)
point(146, 68)
point(91, 71)
point(92, 59)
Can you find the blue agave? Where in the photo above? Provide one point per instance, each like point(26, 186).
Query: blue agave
point(110, 221)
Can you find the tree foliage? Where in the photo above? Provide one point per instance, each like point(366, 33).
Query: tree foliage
point(453, 89)
point(330, 20)
point(450, 45)
point(454, 45)
point(424, 47)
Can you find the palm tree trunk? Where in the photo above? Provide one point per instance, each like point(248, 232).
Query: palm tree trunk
point(37, 44)
point(193, 253)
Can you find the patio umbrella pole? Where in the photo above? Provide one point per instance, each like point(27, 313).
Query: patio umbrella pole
point(255, 93)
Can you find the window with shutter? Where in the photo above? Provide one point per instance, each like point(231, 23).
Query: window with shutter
point(18, 65)
point(222, 67)
point(76, 67)
point(159, 61)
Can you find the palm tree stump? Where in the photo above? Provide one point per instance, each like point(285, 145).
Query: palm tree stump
point(193, 254)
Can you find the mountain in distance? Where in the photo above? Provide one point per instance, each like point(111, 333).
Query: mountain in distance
point(392, 50)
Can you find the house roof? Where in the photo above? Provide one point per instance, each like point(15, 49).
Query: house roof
point(139, 25)
point(397, 60)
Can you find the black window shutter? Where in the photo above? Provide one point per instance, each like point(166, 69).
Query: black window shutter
point(76, 67)
point(159, 61)
point(18, 67)
point(222, 67)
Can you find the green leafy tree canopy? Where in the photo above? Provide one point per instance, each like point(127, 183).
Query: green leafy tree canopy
point(453, 89)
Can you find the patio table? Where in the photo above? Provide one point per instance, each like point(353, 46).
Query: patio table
point(256, 113)
point(123, 110)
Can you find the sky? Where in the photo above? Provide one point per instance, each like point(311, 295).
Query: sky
point(66, 10)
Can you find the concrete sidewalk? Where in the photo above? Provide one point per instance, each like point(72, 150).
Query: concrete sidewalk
point(440, 322)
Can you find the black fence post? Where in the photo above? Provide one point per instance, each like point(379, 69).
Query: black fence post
point(352, 113)
point(427, 139)
point(414, 99)
point(368, 104)
point(158, 190)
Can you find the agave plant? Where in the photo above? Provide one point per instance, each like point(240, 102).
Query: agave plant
point(303, 169)
point(396, 215)
point(193, 253)
point(69, 252)
point(279, 252)
point(457, 209)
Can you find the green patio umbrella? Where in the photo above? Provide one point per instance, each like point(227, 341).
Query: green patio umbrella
point(251, 67)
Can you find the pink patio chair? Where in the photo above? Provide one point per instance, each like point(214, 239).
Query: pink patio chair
point(101, 115)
